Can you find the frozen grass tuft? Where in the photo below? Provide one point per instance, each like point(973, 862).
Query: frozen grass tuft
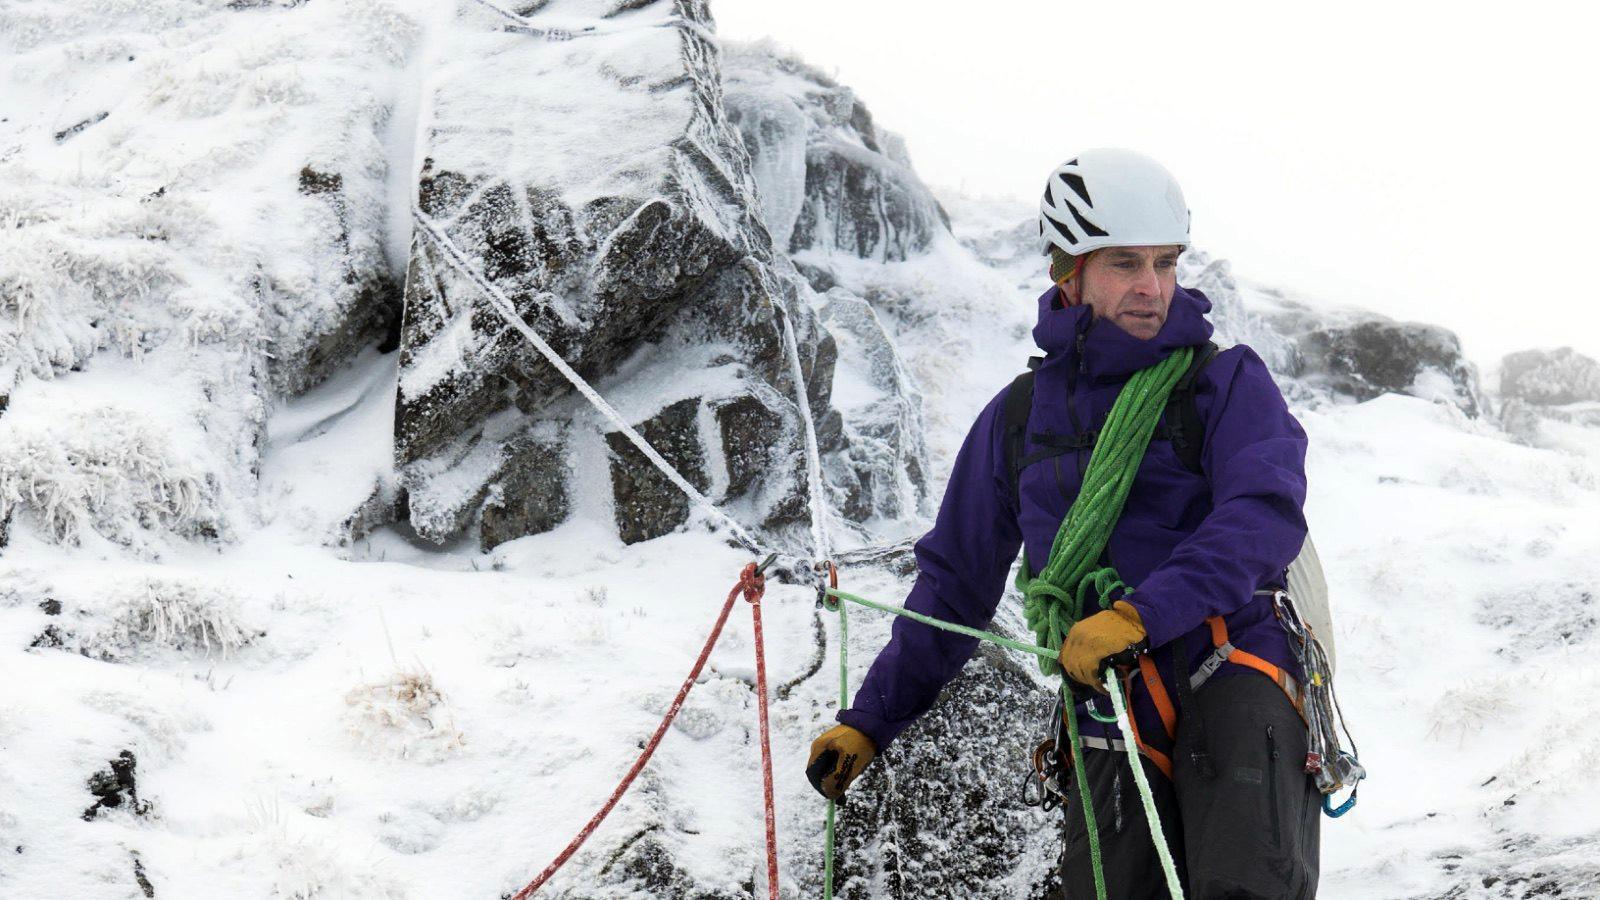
point(106, 470)
point(175, 615)
point(404, 717)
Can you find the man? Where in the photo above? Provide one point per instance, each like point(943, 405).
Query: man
point(1199, 535)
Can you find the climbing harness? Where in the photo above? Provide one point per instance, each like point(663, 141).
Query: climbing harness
point(1305, 618)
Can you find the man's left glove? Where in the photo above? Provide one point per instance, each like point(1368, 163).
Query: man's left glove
point(837, 758)
point(1093, 643)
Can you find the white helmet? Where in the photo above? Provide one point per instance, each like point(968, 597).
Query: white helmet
point(1111, 198)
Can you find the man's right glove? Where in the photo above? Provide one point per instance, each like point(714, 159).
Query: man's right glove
point(837, 758)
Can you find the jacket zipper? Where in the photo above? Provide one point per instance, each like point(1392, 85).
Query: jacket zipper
point(1272, 787)
point(1078, 459)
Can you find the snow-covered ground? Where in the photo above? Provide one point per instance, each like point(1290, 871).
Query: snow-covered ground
point(312, 717)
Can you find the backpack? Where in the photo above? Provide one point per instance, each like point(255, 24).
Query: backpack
point(1182, 425)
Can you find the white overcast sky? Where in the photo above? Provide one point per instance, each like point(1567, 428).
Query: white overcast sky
point(1432, 161)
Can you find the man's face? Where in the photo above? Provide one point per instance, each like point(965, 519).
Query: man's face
point(1130, 286)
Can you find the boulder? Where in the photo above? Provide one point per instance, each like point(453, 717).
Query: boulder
point(1550, 377)
point(647, 504)
point(529, 496)
point(952, 780)
point(1370, 358)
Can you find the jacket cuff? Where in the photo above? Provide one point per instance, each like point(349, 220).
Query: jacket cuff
point(1160, 626)
point(881, 732)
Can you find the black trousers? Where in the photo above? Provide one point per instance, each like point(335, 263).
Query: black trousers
point(1251, 831)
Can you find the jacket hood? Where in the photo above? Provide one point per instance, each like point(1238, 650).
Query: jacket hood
point(1109, 352)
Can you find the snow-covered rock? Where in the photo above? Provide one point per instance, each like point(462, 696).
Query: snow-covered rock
point(190, 215)
point(624, 230)
point(883, 468)
point(1376, 357)
point(829, 178)
point(1550, 377)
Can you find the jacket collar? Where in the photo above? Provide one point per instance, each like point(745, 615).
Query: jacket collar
point(1109, 353)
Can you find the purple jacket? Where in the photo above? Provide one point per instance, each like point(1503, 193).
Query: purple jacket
point(1192, 546)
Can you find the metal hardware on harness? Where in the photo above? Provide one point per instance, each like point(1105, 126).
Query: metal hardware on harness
point(1047, 765)
point(1330, 766)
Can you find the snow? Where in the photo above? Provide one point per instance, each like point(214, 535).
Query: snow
point(315, 716)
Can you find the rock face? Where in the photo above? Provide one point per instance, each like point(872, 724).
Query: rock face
point(637, 253)
point(939, 815)
point(1550, 377)
point(829, 179)
point(646, 261)
point(883, 466)
point(1377, 357)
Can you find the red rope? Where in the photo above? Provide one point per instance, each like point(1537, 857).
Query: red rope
point(751, 585)
point(766, 744)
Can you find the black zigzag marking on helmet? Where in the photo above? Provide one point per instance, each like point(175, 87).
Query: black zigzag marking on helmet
point(1061, 229)
point(1089, 228)
point(1075, 181)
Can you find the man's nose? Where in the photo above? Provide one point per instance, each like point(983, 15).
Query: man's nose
point(1148, 284)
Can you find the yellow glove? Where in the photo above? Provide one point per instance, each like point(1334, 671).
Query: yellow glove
point(1092, 642)
point(837, 758)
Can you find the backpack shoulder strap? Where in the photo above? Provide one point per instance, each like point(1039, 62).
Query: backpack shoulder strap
point(1183, 413)
point(1018, 407)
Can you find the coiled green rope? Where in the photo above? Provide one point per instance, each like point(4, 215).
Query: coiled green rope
point(1070, 582)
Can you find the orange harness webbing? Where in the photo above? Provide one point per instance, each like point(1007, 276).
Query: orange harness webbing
point(1223, 651)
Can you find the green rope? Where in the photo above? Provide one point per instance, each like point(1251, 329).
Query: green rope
point(1070, 579)
point(844, 700)
point(1076, 746)
point(989, 636)
point(1118, 703)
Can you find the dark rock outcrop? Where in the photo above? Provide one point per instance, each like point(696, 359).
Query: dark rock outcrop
point(115, 785)
point(647, 504)
point(530, 496)
point(1371, 358)
point(367, 299)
